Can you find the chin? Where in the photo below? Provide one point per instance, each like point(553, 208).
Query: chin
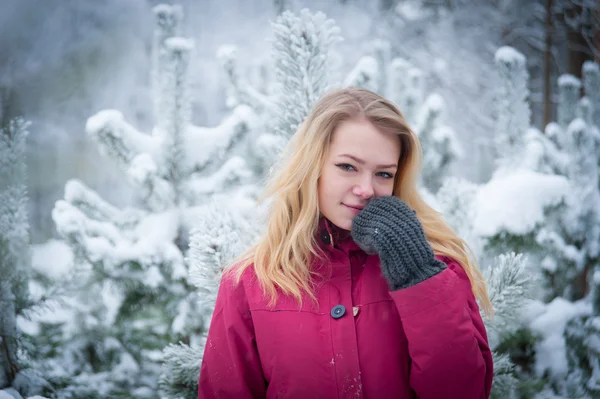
point(343, 223)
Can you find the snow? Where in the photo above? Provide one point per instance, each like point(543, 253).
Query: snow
point(435, 103)
point(550, 324)
point(364, 73)
point(409, 10)
point(208, 144)
point(569, 80)
point(153, 278)
point(440, 65)
point(235, 168)
point(54, 258)
point(509, 55)
point(164, 9)
point(178, 325)
point(553, 130)
point(179, 44)
point(9, 393)
point(514, 202)
point(446, 133)
point(110, 124)
point(141, 167)
point(226, 52)
point(104, 119)
point(126, 366)
point(577, 125)
point(591, 67)
point(112, 299)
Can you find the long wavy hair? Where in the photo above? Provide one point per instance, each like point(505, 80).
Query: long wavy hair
point(283, 256)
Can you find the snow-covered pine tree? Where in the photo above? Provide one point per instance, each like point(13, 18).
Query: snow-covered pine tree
point(509, 283)
point(18, 377)
point(215, 242)
point(239, 89)
point(551, 217)
point(134, 286)
point(456, 200)
point(513, 111)
point(582, 335)
point(578, 268)
point(441, 147)
point(301, 73)
point(301, 56)
point(365, 74)
point(509, 286)
point(570, 237)
point(301, 48)
point(516, 202)
point(591, 83)
point(14, 244)
point(569, 89)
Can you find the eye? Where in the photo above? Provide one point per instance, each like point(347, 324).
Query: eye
point(385, 175)
point(346, 166)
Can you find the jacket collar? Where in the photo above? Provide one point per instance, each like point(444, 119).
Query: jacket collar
point(330, 236)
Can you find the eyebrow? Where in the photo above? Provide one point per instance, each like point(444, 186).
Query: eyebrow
point(360, 161)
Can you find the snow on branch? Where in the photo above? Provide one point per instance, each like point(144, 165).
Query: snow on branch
point(239, 91)
point(119, 139)
point(207, 146)
point(365, 74)
point(301, 48)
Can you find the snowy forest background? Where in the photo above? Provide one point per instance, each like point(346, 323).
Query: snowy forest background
point(136, 137)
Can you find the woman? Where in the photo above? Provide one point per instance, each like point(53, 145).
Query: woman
point(343, 296)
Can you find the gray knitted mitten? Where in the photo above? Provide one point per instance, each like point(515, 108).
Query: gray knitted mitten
point(388, 227)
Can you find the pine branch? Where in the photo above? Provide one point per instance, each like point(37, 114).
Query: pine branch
point(181, 371)
point(118, 139)
point(301, 48)
point(217, 142)
point(509, 286)
point(365, 74)
point(233, 172)
point(240, 92)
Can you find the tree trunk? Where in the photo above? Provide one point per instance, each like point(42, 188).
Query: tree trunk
point(577, 47)
point(596, 32)
point(8, 333)
point(547, 66)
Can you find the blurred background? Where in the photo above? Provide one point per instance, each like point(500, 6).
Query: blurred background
point(64, 60)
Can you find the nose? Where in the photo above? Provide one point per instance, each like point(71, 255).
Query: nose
point(364, 189)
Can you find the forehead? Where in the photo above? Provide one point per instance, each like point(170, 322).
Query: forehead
point(362, 139)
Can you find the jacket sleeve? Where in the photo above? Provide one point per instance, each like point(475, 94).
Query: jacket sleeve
point(231, 366)
point(447, 340)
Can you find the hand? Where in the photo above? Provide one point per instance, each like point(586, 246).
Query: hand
point(387, 226)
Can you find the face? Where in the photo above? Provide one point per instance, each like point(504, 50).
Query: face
point(361, 165)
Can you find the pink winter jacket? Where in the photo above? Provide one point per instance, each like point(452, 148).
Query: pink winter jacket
point(361, 340)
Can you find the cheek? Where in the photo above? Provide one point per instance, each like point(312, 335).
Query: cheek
point(384, 189)
point(331, 187)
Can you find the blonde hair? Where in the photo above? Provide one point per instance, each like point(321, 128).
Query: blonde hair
point(283, 256)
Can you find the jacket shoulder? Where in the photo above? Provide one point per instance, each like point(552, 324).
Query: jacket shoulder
point(455, 266)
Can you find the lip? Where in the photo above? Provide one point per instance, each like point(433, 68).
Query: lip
point(355, 207)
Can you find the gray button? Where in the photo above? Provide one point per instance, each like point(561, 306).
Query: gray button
point(325, 237)
point(338, 311)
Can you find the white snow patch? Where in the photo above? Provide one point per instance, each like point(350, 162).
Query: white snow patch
point(515, 202)
point(53, 259)
point(550, 324)
point(179, 44)
point(509, 55)
point(569, 80)
point(409, 10)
